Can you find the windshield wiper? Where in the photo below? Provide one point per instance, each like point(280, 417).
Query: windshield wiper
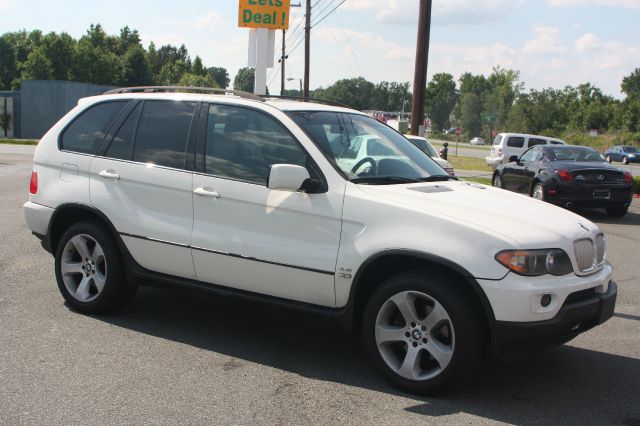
point(383, 180)
point(437, 178)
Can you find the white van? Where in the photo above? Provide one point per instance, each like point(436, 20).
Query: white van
point(506, 145)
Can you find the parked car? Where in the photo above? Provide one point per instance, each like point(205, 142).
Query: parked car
point(506, 145)
point(477, 141)
point(568, 176)
point(425, 146)
point(248, 197)
point(625, 153)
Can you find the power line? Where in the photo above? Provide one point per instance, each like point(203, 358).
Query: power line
point(332, 10)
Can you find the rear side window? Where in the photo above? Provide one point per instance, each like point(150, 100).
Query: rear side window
point(87, 131)
point(534, 142)
point(122, 143)
point(163, 132)
point(515, 142)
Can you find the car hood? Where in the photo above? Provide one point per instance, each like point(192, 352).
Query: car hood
point(527, 222)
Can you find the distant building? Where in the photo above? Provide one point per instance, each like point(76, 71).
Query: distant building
point(40, 104)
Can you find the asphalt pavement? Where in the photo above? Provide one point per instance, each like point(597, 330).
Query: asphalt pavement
point(189, 358)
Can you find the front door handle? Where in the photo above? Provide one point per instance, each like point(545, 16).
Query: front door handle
point(109, 174)
point(206, 192)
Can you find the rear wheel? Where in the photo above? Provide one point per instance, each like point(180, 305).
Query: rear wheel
point(617, 211)
point(423, 332)
point(538, 192)
point(89, 270)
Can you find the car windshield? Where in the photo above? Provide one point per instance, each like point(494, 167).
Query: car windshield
point(576, 153)
point(367, 151)
point(630, 149)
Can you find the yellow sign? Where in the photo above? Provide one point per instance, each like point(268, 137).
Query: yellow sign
point(272, 14)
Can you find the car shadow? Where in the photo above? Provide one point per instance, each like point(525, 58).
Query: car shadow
point(600, 216)
point(567, 384)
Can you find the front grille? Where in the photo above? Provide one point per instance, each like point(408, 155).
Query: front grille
point(601, 249)
point(585, 254)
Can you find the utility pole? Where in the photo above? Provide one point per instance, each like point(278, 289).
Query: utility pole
point(307, 49)
point(282, 59)
point(422, 60)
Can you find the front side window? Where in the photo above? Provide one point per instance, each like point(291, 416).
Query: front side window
point(87, 131)
point(163, 132)
point(530, 155)
point(242, 144)
point(387, 157)
point(534, 142)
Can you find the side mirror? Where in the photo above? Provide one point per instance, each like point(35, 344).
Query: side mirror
point(513, 159)
point(287, 177)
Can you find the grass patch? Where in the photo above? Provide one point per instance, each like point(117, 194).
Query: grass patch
point(468, 163)
point(482, 180)
point(19, 141)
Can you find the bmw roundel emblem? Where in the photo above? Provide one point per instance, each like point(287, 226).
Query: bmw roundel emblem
point(600, 177)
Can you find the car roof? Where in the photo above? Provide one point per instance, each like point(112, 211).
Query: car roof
point(280, 104)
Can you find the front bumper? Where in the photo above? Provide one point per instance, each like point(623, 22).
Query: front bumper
point(576, 316)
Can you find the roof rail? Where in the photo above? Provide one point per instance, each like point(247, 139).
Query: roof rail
point(176, 89)
point(310, 100)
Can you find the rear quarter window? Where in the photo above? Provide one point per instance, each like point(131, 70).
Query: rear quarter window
point(515, 142)
point(497, 140)
point(86, 132)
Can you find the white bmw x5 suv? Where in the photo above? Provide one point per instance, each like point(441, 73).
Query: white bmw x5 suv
point(252, 198)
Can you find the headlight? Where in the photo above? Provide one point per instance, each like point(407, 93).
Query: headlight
point(536, 262)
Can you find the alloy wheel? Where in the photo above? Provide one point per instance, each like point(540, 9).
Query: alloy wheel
point(83, 266)
point(414, 335)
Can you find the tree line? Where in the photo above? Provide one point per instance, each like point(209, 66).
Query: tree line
point(99, 58)
point(481, 104)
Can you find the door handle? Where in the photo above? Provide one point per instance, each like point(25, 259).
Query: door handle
point(109, 174)
point(206, 192)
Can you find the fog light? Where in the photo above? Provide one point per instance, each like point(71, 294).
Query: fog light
point(545, 300)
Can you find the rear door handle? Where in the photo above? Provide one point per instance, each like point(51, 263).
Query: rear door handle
point(206, 192)
point(109, 174)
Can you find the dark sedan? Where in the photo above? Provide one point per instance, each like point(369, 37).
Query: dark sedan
point(567, 176)
point(625, 153)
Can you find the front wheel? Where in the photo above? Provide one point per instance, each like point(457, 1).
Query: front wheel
point(89, 270)
point(497, 181)
point(423, 332)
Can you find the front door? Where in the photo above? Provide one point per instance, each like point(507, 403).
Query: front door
point(248, 237)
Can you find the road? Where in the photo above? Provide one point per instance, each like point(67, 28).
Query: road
point(188, 358)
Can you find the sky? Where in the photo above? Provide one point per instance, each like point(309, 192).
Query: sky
point(553, 43)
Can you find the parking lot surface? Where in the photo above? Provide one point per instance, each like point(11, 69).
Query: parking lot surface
point(189, 358)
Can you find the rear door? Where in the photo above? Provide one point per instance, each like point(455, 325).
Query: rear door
point(142, 182)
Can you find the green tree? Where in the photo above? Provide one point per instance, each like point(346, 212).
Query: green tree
point(441, 97)
point(503, 90)
point(37, 66)
point(244, 80)
point(197, 68)
point(220, 76)
point(195, 80)
point(8, 66)
point(355, 92)
point(135, 69)
point(631, 84)
point(470, 110)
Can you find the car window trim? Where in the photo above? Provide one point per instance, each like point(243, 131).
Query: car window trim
point(117, 125)
point(201, 145)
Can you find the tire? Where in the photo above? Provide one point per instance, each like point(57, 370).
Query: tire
point(89, 270)
point(625, 160)
point(442, 319)
point(538, 192)
point(617, 211)
point(497, 181)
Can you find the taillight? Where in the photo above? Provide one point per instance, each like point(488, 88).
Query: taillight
point(565, 175)
point(33, 184)
point(499, 152)
point(628, 177)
